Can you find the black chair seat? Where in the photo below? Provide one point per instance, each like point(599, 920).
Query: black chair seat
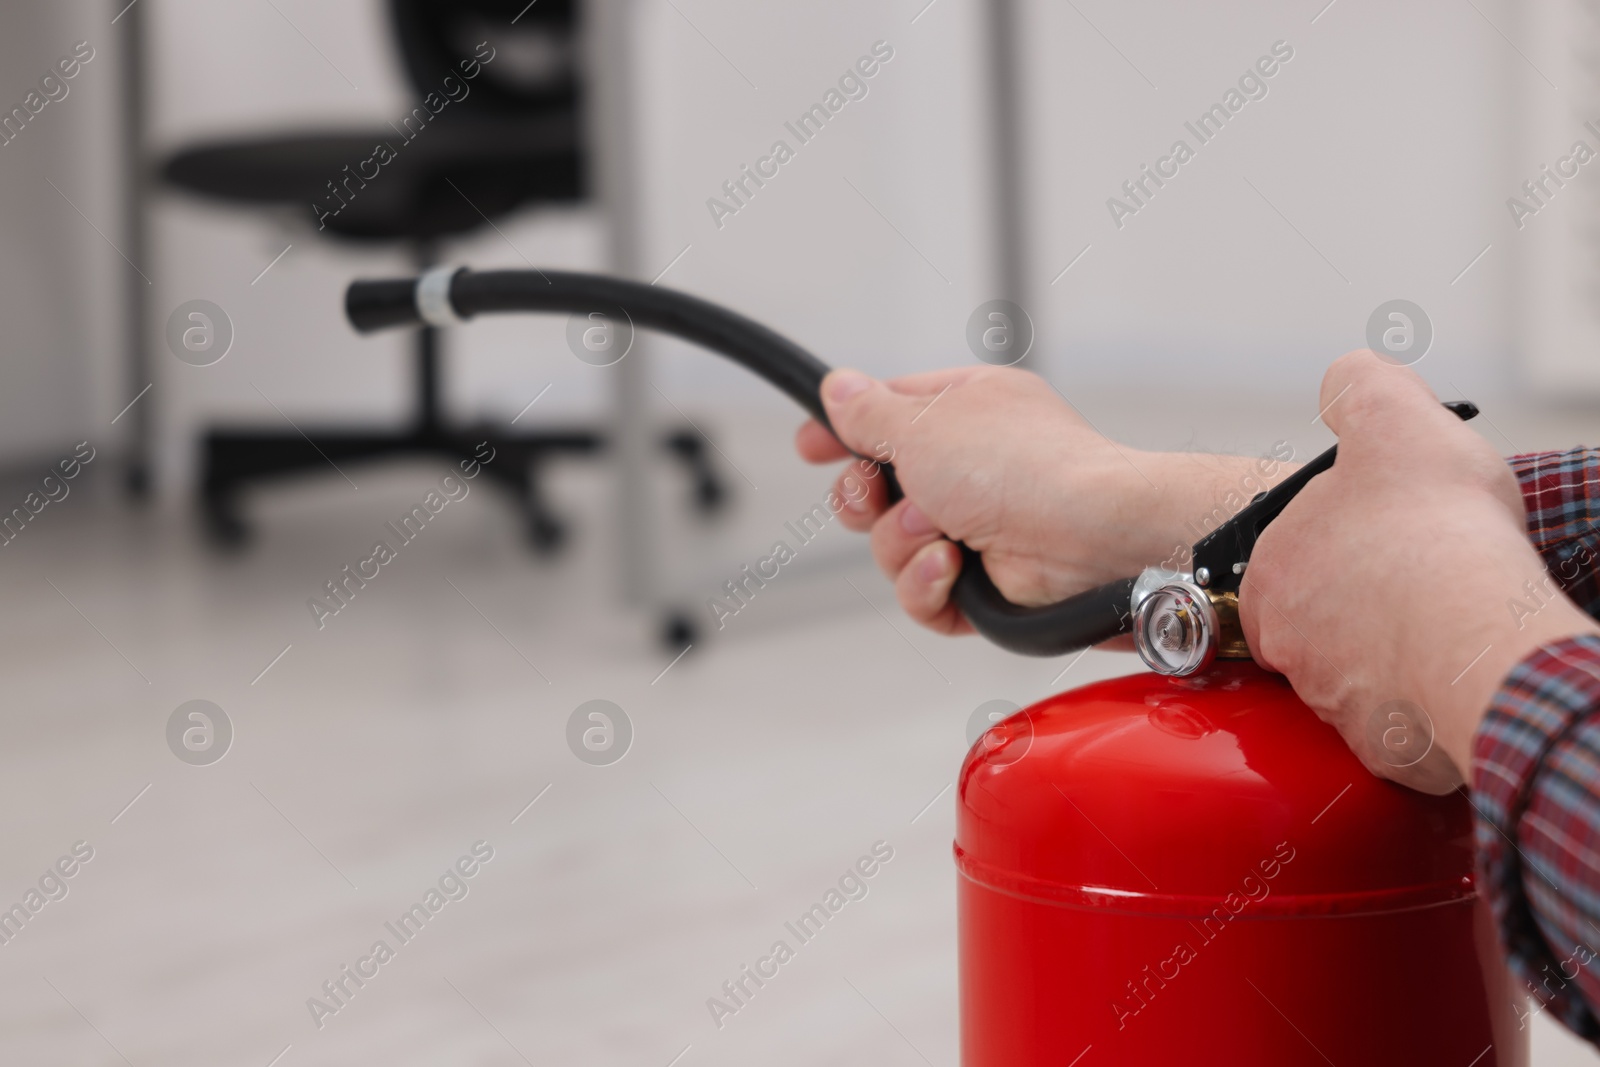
point(442, 182)
point(515, 141)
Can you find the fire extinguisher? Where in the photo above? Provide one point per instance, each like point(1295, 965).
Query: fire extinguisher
point(1182, 866)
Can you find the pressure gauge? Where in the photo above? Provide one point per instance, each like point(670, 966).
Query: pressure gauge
point(1175, 627)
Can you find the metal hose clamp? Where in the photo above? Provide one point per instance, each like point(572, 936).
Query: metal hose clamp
point(433, 297)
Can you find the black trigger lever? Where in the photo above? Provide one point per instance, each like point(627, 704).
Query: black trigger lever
point(1220, 557)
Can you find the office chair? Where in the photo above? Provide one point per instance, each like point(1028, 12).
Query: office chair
point(496, 128)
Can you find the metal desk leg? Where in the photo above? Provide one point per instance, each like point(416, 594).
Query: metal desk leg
point(1010, 185)
point(130, 19)
point(613, 123)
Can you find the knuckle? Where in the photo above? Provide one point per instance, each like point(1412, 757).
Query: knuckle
point(1363, 401)
point(1342, 370)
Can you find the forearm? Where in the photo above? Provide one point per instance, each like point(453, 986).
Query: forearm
point(1535, 769)
point(1464, 643)
point(1183, 496)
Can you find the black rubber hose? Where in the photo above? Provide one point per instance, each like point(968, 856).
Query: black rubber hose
point(374, 305)
point(1054, 629)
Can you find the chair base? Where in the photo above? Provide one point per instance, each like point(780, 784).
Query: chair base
point(236, 459)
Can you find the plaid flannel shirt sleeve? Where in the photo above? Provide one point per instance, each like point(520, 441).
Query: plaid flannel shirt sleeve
point(1536, 762)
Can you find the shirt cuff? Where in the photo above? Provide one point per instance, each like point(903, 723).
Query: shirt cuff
point(1532, 882)
point(1561, 496)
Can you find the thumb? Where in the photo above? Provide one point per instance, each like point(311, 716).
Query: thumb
point(869, 417)
point(1361, 391)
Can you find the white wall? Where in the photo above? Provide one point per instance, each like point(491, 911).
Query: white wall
point(1379, 143)
point(810, 256)
point(58, 276)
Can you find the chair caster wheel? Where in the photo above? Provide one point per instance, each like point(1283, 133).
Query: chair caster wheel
point(224, 528)
point(709, 496)
point(547, 536)
point(677, 632)
point(136, 483)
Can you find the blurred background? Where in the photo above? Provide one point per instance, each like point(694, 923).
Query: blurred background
point(175, 173)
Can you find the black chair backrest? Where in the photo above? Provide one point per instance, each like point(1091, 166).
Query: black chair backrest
point(535, 68)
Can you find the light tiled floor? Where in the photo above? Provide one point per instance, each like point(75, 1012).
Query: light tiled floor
point(425, 717)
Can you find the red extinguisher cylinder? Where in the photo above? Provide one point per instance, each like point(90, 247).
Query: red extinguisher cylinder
point(1161, 871)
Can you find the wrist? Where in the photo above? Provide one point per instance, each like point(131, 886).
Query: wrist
point(1466, 638)
point(1464, 705)
point(1189, 494)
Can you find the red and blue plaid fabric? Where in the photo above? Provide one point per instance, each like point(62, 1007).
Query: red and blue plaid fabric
point(1561, 491)
point(1536, 763)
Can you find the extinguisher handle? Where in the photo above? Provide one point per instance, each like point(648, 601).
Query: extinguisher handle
point(1220, 557)
point(450, 296)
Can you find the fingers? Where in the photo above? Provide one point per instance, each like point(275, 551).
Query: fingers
point(864, 493)
point(899, 534)
point(923, 565)
point(923, 587)
point(866, 413)
point(932, 383)
point(816, 443)
point(865, 496)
